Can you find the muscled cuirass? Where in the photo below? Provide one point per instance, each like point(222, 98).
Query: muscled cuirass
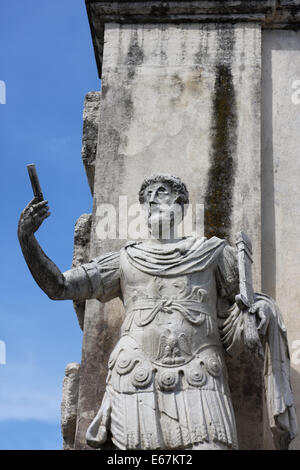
point(170, 336)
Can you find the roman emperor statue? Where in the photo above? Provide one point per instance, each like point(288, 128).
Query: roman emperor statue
point(167, 384)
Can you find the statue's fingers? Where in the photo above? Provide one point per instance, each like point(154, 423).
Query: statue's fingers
point(41, 204)
point(43, 210)
point(44, 216)
point(39, 210)
point(262, 321)
point(253, 309)
point(262, 328)
point(31, 204)
point(35, 200)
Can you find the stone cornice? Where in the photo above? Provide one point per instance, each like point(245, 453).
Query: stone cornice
point(276, 14)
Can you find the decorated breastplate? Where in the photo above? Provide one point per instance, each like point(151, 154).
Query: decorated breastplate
point(170, 320)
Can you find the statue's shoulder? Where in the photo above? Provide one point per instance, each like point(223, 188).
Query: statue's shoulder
point(206, 242)
point(131, 243)
point(110, 258)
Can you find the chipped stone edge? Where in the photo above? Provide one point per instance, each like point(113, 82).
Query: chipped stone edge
point(279, 14)
point(82, 234)
point(91, 118)
point(69, 404)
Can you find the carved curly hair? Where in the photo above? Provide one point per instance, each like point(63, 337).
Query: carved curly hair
point(174, 182)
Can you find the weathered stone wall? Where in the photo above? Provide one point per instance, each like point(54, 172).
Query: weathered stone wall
point(91, 118)
point(69, 405)
point(81, 253)
point(280, 185)
point(182, 99)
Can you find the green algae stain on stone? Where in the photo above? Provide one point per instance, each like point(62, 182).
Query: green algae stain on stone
point(135, 55)
point(219, 192)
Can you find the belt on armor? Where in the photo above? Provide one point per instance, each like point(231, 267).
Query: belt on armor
point(192, 310)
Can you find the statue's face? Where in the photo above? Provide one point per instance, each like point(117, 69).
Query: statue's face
point(162, 209)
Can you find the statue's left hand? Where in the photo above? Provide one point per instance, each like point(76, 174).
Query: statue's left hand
point(263, 312)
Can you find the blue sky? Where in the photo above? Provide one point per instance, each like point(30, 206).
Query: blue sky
point(47, 63)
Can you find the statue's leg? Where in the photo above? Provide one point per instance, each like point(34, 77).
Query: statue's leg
point(96, 434)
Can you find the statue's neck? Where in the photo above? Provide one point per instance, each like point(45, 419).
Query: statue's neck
point(163, 240)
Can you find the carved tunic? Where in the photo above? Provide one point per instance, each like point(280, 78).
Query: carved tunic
point(167, 379)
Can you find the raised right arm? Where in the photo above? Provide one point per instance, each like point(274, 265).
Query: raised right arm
point(73, 285)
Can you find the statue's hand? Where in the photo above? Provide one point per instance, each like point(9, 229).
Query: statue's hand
point(263, 312)
point(32, 217)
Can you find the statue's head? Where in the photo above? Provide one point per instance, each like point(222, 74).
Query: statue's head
point(165, 198)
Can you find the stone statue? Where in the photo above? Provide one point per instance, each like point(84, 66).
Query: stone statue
point(167, 385)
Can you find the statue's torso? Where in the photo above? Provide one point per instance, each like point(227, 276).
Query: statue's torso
point(170, 317)
point(170, 332)
point(167, 369)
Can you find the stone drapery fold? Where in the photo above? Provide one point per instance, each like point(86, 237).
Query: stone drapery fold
point(187, 256)
point(278, 392)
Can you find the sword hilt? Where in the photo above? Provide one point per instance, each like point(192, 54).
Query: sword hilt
point(245, 298)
